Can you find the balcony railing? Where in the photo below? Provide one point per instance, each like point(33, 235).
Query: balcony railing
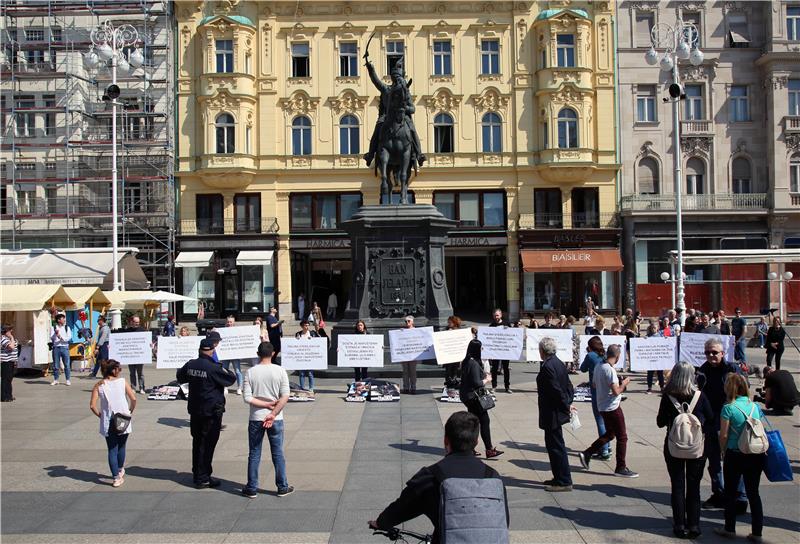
point(578, 220)
point(697, 128)
point(221, 227)
point(719, 201)
point(83, 206)
point(792, 124)
point(795, 199)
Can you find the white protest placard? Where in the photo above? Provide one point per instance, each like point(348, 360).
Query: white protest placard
point(304, 353)
point(175, 351)
point(131, 348)
point(653, 353)
point(563, 338)
point(411, 344)
point(451, 346)
point(501, 343)
point(692, 347)
point(238, 342)
point(608, 340)
point(359, 350)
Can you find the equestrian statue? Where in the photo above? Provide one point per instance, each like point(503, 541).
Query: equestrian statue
point(394, 147)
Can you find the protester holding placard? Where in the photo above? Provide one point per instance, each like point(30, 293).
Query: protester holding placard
point(184, 331)
point(230, 321)
point(409, 367)
point(555, 407)
point(684, 473)
point(495, 364)
point(776, 336)
point(595, 356)
point(360, 372)
point(472, 383)
point(452, 370)
point(116, 397)
point(136, 370)
point(652, 331)
point(306, 333)
point(275, 331)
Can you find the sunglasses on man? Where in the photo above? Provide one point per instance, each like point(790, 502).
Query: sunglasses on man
point(713, 352)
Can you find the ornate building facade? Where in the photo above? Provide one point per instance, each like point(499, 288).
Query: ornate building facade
point(515, 109)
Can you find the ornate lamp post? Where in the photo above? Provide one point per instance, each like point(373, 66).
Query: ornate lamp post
point(109, 43)
point(784, 278)
point(678, 42)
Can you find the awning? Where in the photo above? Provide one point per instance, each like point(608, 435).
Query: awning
point(193, 259)
point(19, 298)
point(571, 260)
point(130, 300)
point(254, 258)
point(70, 267)
point(736, 256)
point(84, 295)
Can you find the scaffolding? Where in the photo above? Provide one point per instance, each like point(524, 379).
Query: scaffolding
point(55, 132)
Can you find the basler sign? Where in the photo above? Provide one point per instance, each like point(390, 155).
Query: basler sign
point(571, 256)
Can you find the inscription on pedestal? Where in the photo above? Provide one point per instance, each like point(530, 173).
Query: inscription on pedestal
point(397, 282)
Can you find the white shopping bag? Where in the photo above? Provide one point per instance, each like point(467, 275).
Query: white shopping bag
point(574, 420)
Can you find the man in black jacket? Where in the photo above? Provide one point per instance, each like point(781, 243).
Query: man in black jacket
point(207, 381)
point(421, 494)
point(555, 404)
point(498, 321)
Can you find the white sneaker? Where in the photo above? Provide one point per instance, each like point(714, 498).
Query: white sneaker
point(238, 391)
point(55, 382)
point(68, 383)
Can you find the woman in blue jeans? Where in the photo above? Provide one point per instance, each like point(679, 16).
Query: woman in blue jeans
point(116, 397)
point(595, 355)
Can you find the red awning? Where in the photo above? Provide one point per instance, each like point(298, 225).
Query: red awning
point(571, 260)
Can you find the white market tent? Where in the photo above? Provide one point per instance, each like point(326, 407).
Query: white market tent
point(22, 298)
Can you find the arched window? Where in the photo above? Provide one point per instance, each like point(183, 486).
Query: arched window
point(301, 136)
point(348, 135)
point(647, 176)
point(492, 133)
point(567, 128)
point(741, 176)
point(695, 174)
point(226, 133)
point(794, 173)
point(443, 133)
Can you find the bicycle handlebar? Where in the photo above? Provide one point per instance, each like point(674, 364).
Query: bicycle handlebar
point(395, 534)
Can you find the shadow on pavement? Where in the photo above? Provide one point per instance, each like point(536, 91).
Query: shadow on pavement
point(181, 478)
point(530, 447)
point(61, 471)
point(173, 422)
point(416, 447)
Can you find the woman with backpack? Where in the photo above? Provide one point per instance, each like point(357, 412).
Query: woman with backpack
point(684, 411)
point(744, 445)
point(473, 380)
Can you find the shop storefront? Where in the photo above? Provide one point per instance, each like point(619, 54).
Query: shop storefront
point(475, 267)
point(321, 266)
point(562, 269)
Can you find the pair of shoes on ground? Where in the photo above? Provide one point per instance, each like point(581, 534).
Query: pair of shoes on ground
point(55, 382)
point(721, 531)
point(554, 487)
point(685, 534)
point(253, 493)
point(623, 472)
point(717, 501)
point(120, 479)
point(211, 482)
point(493, 452)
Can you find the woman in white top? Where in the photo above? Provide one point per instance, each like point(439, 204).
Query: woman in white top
point(116, 397)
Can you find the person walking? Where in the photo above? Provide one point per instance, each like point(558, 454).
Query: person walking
point(101, 354)
point(595, 356)
point(274, 331)
point(776, 336)
point(207, 381)
point(230, 321)
point(739, 332)
point(472, 381)
point(136, 370)
point(498, 321)
point(315, 315)
point(301, 306)
point(684, 474)
point(555, 394)
point(306, 333)
point(116, 397)
point(60, 337)
point(333, 303)
point(409, 367)
point(452, 370)
point(9, 355)
point(609, 390)
point(360, 373)
point(740, 465)
point(266, 391)
point(711, 378)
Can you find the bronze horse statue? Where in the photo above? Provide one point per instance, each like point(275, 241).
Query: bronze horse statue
point(394, 161)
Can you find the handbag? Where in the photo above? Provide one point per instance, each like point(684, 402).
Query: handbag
point(777, 467)
point(485, 399)
point(119, 423)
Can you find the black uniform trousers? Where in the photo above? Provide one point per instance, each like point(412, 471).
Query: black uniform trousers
point(7, 376)
point(495, 366)
point(205, 434)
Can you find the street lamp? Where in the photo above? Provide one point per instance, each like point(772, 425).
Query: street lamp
point(783, 278)
point(108, 45)
point(679, 42)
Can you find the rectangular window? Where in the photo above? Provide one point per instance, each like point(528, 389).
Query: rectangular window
point(348, 206)
point(348, 59)
point(545, 135)
point(742, 186)
point(34, 34)
point(646, 103)
point(300, 206)
point(643, 27)
point(26, 119)
point(694, 184)
point(209, 214)
point(490, 57)
point(585, 208)
point(224, 53)
point(494, 210)
point(26, 199)
point(35, 57)
point(49, 101)
point(738, 33)
point(739, 106)
point(794, 176)
point(323, 211)
point(395, 50)
point(51, 198)
point(247, 213)
point(472, 209)
point(565, 50)
point(446, 204)
point(794, 96)
point(133, 198)
point(547, 208)
point(248, 136)
point(55, 34)
point(300, 61)
point(442, 58)
point(693, 109)
point(696, 38)
point(468, 210)
point(793, 23)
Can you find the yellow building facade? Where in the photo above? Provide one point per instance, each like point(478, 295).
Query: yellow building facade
point(515, 110)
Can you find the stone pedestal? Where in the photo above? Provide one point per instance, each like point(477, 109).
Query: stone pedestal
point(398, 269)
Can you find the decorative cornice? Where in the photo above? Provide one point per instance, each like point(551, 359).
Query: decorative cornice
point(348, 102)
point(775, 81)
point(792, 142)
point(691, 6)
point(646, 150)
point(644, 6)
point(442, 100)
point(490, 100)
point(697, 144)
point(568, 94)
point(299, 103)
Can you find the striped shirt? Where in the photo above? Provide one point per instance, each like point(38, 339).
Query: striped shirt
point(7, 353)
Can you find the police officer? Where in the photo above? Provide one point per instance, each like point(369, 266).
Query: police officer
point(207, 381)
